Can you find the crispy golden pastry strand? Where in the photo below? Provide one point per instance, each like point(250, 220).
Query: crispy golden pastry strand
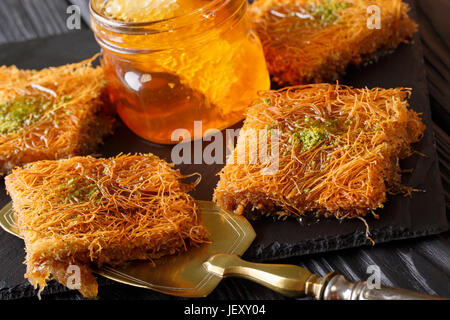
point(308, 41)
point(339, 151)
point(51, 114)
point(85, 211)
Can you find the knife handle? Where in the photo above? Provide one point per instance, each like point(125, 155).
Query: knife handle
point(288, 280)
point(338, 288)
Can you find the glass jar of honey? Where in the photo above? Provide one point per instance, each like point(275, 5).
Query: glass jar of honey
point(170, 63)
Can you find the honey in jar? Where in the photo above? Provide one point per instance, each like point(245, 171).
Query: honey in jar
point(169, 63)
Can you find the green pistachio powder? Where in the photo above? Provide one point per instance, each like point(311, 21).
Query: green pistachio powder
point(84, 188)
point(77, 189)
point(22, 111)
point(312, 132)
point(309, 133)
point(328, 10)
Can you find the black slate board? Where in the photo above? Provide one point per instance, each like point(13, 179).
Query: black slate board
point(401, 218)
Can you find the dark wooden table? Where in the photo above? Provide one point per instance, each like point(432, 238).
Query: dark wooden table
point(420, 264)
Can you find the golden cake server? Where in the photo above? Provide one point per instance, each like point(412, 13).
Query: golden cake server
point(197, 272)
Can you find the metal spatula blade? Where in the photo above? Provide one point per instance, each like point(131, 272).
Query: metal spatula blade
point(197, 272)
point(184, 275)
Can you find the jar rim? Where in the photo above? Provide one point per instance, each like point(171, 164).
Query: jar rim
point(124, 26)
point(196, 26)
